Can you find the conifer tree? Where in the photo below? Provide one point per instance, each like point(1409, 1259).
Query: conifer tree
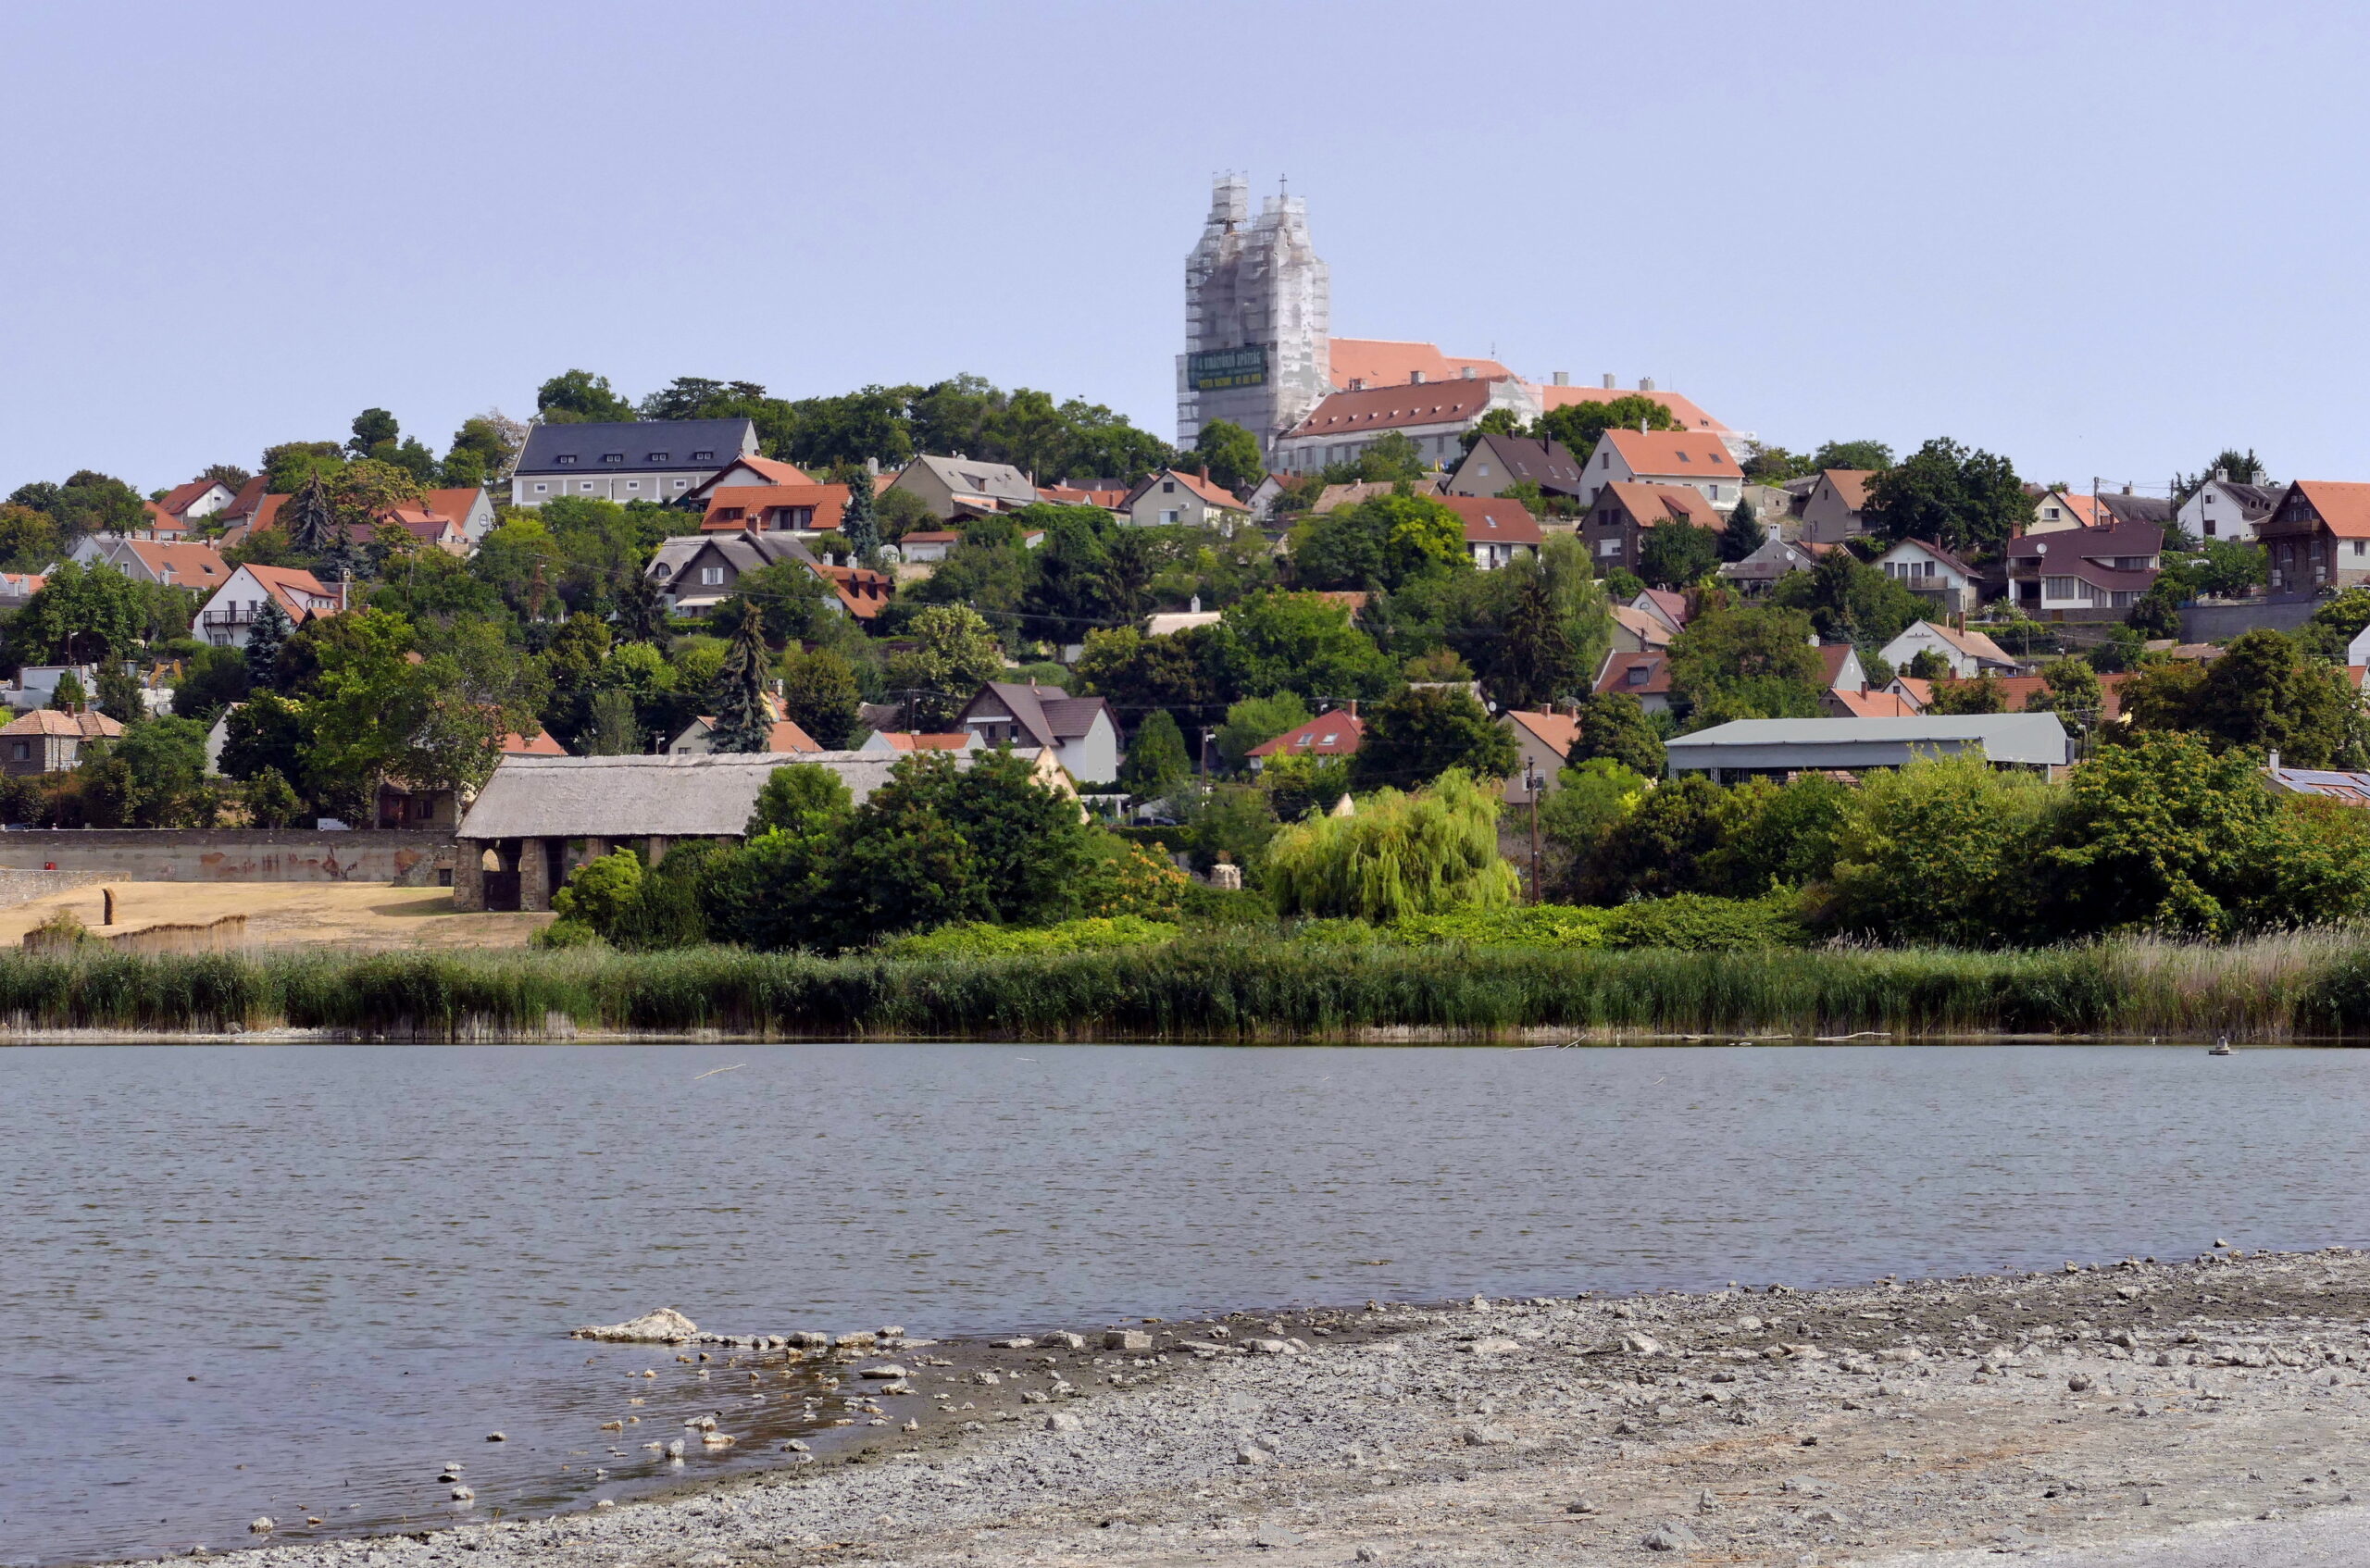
point(1744, 533)
point(119, 693)
point(742, 722)
point(311, 523)
point(860, 521)
point(266, 636)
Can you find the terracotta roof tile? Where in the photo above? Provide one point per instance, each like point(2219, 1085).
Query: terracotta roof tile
point(1675, 453)
point(1335, 734)
point(1494, 519)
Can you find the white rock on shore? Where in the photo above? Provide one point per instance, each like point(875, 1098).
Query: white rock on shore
point(664, 1326)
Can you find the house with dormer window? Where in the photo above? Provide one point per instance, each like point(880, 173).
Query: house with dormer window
point(641, 460)
point(1669, 458)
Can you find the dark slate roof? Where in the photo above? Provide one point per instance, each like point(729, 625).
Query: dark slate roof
point(665, 445)
point(2156, 509)
point(1049, 714)
point(1547, 463)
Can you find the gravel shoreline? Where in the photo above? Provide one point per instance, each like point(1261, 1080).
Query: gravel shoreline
point(2205, 1411)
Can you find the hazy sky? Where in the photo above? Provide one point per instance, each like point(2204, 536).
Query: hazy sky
point(2098, 238)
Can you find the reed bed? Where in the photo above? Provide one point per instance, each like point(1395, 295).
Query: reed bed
point(2300, 986)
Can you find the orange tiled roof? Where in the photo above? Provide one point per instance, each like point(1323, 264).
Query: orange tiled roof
point(1676, 453)
point(1617, 675)
point(919, 740)
point(1335, 734)
point(190, 565)
point(88, 724)
point(1557, 731)
point(1681, 409)
point(1380, 362)
point(2343, 505)
point(1651, 504)
point(1383, 408)
point(1494, 519)
point(736, 507)
point(543, 745)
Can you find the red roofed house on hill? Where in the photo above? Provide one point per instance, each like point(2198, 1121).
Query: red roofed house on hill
point(1644, 676)
point(2318, 536)
point(1832, 511)
point(1173, 498)
point(1335, 734)
point(172, 515)
point(226, 619)
point(781, 508)
point(1618, 518)
point(1699, 462)
point(171, 562)
point(45, 740)
point(1541, 742)
point(747, 470)
point(1495, 528)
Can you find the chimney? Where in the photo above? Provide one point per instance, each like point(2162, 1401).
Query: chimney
point(2272, 762)
point(1610, 384)
point(872, 467)
point(1354, 713)
point(1563, 378)
point(2126, 489)
point(1645, 383)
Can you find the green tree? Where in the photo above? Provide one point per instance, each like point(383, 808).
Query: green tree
point(288, 466)
point(216, 679)
point(1674, 554)
point(580, 397)
point(1297, 785)
point(742, 721)
point(482, 450)
point(153, 776)
point(1392, 457)
point(1425, 731)
point(1255, 721)
point(1864, 457)
point(1298, 642)
point(119, 693)
point(1744, 533)
point(952, 655)
point(610, 729)
point(2262, 695)
point(1385, 540)
point(1928, 664)
point(1960, 499)
point(2163, 834)
point(266, 635)
point(88, 502)
point(29, 540)
point(67, 696)
point(265, 733)
point(1747, 663)
point(2072, 692)
point(1422, 853)
point(373, 428)
point(1614, 726)
point(270, 801)
point(1494, 422)
point(821, 696)
point(1942, 853)
point(81, 615)
point(1579, 425)
point(1984, 694)
point(1157, 761)
point(860, 521)
point(1232, 456)
point(1849, 601)
point(310, 518)
point(1535, 660)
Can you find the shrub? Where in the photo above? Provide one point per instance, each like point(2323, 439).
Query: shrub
point(1534, 926)
point(599, 893)
point(567, 932)
point(974, 939)
point(1696, 923)
point(1123, 878)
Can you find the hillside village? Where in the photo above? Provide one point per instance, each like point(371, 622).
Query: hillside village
point(1663, 656)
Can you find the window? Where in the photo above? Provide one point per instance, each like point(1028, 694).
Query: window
point(662, 570)
point(617, 457)
point(658, 458)
point(541, 488)
point(567, 459)
point(2059, 587)
point(1485, 470)
point(1169, 487)
point(633, 484)
point(2209, 528)
point(2360, 549)
point(703, 456)
point(1608, 547)
point(1606, 461)
point(584, 485)
point(2050, 513)
point(24, 750)
point(1716, 489)
point(681, 483)
point(1169, 518)
point(711, 577)
point(1637, 674)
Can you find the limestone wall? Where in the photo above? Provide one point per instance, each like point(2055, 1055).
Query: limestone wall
point(229, 854)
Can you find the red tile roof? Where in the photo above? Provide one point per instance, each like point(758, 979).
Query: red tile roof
point(1556, 731)
point(1651, 504)
point(1494, 519)
point(1216, 494)
point(454, 503)
point(1064, 495)
point(161, 521)
point(864, 593)
point(1850, 485)
point(190, 565)
point(178, 500)
point(738, 507)
point(919, 740)
point(1675, 453)
point(1871, 704)
point(244, 502)
point(2343, 505)
point(291, 585)
point(88, 724)
point(1335, 734)
point(1617, 675)
point(543, 745)
point(1380, 362)
point(1383, 408)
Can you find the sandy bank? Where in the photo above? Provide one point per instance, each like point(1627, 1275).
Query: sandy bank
point(2161, 1410)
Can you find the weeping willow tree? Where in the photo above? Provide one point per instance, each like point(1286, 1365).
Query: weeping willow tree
point(1423, 853)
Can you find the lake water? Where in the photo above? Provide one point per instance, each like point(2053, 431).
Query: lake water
point(365, 1257)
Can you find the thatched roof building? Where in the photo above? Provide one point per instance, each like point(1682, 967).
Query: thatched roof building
point(704, 796)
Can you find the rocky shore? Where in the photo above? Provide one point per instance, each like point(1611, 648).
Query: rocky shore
point(2141, 1413)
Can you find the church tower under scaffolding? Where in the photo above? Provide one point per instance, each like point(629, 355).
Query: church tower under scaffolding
point(1258, 318)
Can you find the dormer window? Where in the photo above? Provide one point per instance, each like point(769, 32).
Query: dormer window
point(567, 459)
point(703, 456)
point(657, 457)
point(613, 457)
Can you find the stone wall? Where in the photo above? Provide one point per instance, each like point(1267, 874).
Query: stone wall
point(2219, 623)
point(228, 854)
point(23, 887)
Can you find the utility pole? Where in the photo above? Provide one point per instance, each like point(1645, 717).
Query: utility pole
point(1531, 785)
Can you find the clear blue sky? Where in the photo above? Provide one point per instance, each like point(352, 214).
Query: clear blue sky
point(2098, 238)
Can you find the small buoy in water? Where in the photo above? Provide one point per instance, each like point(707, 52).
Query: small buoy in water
point(2222, 1048)
point(261, 1526)
point(494, 1438)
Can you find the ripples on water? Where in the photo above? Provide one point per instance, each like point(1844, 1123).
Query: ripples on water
point(365, 1256)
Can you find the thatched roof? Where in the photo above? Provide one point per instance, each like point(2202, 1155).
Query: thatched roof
point(676, 797)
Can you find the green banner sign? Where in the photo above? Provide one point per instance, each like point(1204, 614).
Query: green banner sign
point(1228, 367)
